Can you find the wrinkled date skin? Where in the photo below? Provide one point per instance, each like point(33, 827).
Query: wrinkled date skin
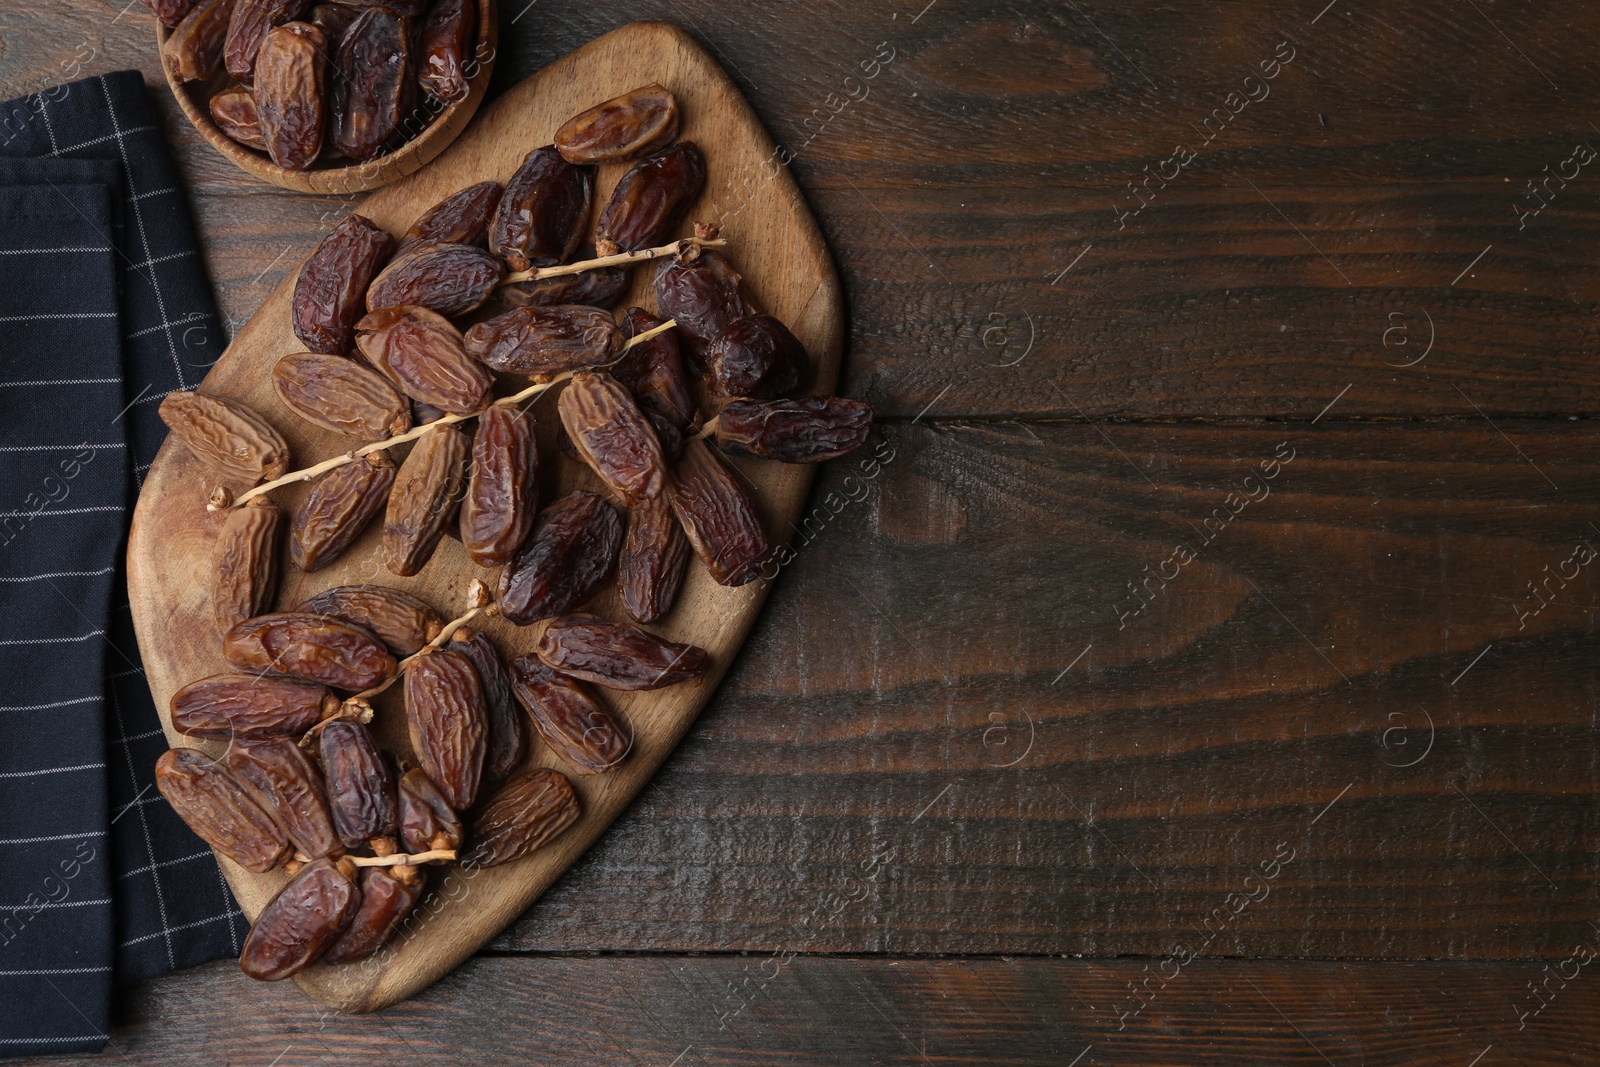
point(718, 518)
point(361, 793)
point(612, 436)
point(402, 622)
point(421, 352)
point(387, 896)
point(424, 500)
point(563, 565)
point(339, 506)
point(541, 216)
point(758, 357)
point(451, 279)
point(194, 50)
point(334, 20)
point(653, 372)
point(234, 112)
point(227, 435)
point(372, 82)
point(329, 294)
point(507, 740)
point(217, 808)
point(341, 395)
point(286, 783)
point(651, 200)
point(603, 287)
point(461, 218)
point(619, 656)
point(427, 822)
point(542, 342)
point(523, 817)
point(225, 706)
point(448, 722)
point(291, 102)
point(503, 494)
point(703, 295)
point(655, 556)
point(245, 562)
point(297, 926)
point(808, 430)
point(569, 719)
point(621, 129)
point(170, 12)
point(310, 647)
point(248, 27)
point(447, 36)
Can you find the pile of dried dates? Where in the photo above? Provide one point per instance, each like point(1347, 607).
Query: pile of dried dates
point(408, 343)
point(307, 81)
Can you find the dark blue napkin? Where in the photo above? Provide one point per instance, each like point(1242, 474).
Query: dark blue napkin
point(104, 309)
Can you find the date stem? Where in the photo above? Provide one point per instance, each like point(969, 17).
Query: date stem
point(621, 259)
point(479, 601)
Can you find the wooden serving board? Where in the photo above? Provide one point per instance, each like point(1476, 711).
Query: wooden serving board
point(774, 242)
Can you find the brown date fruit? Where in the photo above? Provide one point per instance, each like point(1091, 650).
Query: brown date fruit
point(564, 563)
point(651, 200)
point(619, 656)
point(808, 430)
point(361, 792)
point(507, 740)
point(612, 436)
point(542, 342)
point(330, 292)
point(525, 815)
point(427, 821)
point(310, 647)
point(670, 436)
point(402, 622)
point(288, 785)
point(387, 896)
point(372, 82)
point(503, 493)
point(447, 36)
point(339, 506)
point(421, 352)
point(234, 112)
point(719, 518)
point(757, 356)
point(217, 808)
point(603, 287)
point(194, 50)
point(248, 27)
point(170, 12)
point(655, 556)
point(409, 8)
point(621, 129)
point(424, 500)
point(703, 295)
point(541, 215)
point(290, 95)
point(460, 218)
point(451, 279)
point(245, 562)
point(342, 395)
point(653, 371)
point(448, 721)
point(569, 719)
point(226, 435)
point(225, 706)
point(333, 20)
point(299, 924)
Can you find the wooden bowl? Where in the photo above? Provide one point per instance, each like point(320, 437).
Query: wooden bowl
point(332, 177)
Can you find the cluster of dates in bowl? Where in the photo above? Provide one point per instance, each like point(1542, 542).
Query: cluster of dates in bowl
point(481, 307)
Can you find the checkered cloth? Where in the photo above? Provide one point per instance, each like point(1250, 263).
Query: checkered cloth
point(104, 309)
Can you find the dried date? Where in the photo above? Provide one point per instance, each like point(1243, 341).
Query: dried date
point(808, 430)
point(569, 719)
point(451, 279)
point(226, 435)
point(758, 357)
point(170, 12)
point(299, 924)
point(334, 20)
point(248, 27)
point(719, 518)
point(653, 371)
point(290, 94)
point(655, 556)
point(372, 83)
point(387, 896)
point(424, 500)
point(217, 808)
point(329, 294)
point(564, 563)
point(506, 742)
point(619, 656)
point(310, 647)
point(225, 706)
point(651, 200)
point(542, 342)
point(612, 436)
point(702, 294)
point(289, 786)
point(341, 395)
point(502, 495)
point(421, 352)
point(448, 722)
point(447, 36)
point(460, 218)
point(234, 112)
point(361, 791)
point(245, 562)
point(602, 287)
point(621, 129)
point(540, 218)
point(339, 506)
point(402, 622)
point(524, 816)
point(427, 821)
point(194, 50)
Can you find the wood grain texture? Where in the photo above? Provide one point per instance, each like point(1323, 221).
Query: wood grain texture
point(170, 549)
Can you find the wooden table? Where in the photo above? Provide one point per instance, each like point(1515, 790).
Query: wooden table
point(1210, 675)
